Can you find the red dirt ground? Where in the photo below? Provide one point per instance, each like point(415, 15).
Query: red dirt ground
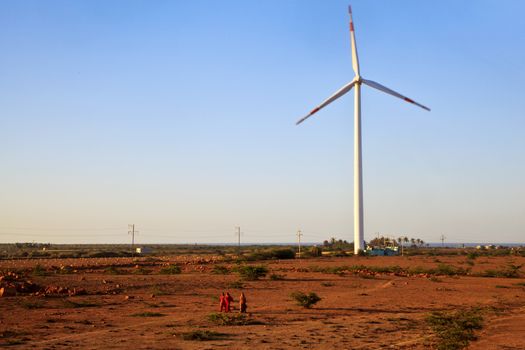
point(356, 311)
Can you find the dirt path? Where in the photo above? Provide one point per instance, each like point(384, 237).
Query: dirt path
point(504, 333)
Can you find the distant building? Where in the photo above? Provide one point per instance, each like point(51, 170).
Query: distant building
point(143, 250)
point(379, 251)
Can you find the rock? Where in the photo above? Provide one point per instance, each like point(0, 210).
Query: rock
point(128, 297)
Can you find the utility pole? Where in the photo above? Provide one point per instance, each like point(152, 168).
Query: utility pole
point(131, 231)
point(442, 240)
point(299, 234)
point(238, 234)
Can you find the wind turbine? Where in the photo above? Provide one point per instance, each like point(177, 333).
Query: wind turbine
point(358, 170)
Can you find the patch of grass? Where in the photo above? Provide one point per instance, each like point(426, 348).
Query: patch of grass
point(32, 305)
point(141, 271)
point(158, 291)
point(38, 270)
point(521, 284)
point(271, 254)
point(148, 314)
point(79, 304)
point(112, 270)
point(252, 272)
point(510, 271)
point(472, 255)
point(276, 277)
point(170, 270)
point(220, 270)
point(228, 319)
point(327, 284)
point(403, 323)
point(500, 286)
point(10, 334)
point(435, 279)
point(158, 305)
point(305, 300)
point(454, 330)
point(13, 342)
point(449, 270)
point(64, 270)
point(203, 335)
point(236, 285)
point(84, 322)
point(367, 277)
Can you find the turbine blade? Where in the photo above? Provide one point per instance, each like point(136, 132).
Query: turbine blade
point(392, 92)
point(329, 100)
point(355, 60)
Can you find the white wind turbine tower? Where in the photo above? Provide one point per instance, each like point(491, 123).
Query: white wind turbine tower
point(358, 171)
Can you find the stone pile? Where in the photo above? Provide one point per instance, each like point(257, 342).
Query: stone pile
point(12, 283)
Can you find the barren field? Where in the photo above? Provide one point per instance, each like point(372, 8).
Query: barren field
point(366, 303)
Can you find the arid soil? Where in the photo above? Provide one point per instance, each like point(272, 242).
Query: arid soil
point(126, 303)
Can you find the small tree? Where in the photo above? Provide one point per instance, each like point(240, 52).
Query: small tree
point(305, 300)
point(252, 273)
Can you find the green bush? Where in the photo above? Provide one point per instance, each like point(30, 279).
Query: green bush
point(511, 271)
point(229, 319)
point(252, 273)
point(283, 254)
point(203, 335)
point(305, 300)
point(39, 271)
point(141, 271)
point(271, 254)
point(276, 277)
point(220, 270)
point(455, 330)
point(112, 270)
point(170, 270)
point(472, 255)
point(236, 285)
point(108, 254)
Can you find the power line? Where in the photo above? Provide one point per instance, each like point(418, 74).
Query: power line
point(238, 233)
point(131, 231)
point(299, 234)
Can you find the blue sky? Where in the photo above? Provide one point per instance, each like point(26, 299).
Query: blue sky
point(179, 116)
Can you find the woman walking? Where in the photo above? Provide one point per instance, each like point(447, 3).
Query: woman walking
point(242, 303)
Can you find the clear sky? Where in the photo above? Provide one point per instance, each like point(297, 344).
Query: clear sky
point(179, 116)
